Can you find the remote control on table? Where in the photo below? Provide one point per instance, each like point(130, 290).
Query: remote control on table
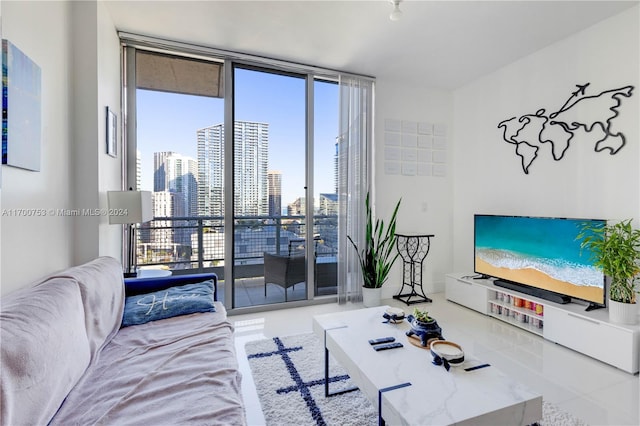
point(382, 340)
point(388, 346)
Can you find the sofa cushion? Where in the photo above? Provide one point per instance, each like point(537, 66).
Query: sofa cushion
point(177, 371)
point(101, 285)
point(43, 352)
point(171, 302)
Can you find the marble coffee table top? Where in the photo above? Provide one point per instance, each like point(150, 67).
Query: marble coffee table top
point(462, 395)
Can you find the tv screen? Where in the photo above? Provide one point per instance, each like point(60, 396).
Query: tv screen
point(539, 252)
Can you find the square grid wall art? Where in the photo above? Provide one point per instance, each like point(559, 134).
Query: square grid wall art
point(21, 109)
point(415, 148)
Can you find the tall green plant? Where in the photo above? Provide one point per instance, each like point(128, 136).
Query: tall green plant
point(376, 258)
point(615, 250)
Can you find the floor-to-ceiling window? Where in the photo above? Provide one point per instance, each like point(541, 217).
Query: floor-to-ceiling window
point(176, 106)
point(241, 160)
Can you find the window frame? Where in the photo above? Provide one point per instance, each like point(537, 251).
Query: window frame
point(131, 43)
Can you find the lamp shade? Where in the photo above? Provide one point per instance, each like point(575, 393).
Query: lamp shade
point(129, 206)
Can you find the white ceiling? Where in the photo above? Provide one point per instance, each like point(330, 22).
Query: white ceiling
point(441, 44)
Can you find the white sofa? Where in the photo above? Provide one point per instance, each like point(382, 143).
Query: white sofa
point(64, 358)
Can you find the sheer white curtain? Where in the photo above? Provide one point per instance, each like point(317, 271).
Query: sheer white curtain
point(354, 176)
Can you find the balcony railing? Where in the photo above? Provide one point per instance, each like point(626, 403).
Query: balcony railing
point(196, 244)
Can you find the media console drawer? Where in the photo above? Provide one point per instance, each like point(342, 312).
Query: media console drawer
point(601, 340)
point(464, 292)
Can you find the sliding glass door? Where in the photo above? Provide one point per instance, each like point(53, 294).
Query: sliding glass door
point(269, 174)
point(325, 185)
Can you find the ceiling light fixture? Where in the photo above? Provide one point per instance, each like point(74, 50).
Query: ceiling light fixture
point(397, 13)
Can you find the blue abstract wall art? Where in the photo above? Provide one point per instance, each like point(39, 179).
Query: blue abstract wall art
point(21, 109)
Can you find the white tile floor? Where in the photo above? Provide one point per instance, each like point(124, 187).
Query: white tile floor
point(591, 390)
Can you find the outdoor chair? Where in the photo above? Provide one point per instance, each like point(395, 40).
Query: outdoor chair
point(285, 271)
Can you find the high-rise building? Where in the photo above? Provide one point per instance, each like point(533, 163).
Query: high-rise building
point(297, 208)
point(211, 171)
point(328, 204)
point(251, 157)
point(163, 205)
point(177, 174)
point(160, 171)
point(275, 192)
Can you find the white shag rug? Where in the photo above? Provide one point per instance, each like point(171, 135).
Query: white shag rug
point(289, 377)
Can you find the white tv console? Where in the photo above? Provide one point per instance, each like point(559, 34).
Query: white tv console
point(570, 325)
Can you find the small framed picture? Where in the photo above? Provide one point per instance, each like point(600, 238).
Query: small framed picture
point(112, 133)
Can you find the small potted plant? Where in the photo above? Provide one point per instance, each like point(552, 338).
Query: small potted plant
point(423, 326)
point(376, 257)
point(422, 316)
point(615, 250)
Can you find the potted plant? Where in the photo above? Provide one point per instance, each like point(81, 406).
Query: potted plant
point(423, 326)
point(421, 316)
point(615, 250)
point(376, 257)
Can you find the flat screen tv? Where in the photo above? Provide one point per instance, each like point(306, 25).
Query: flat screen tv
point(539, 253)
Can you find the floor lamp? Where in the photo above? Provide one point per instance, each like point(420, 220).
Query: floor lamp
point(129, 208)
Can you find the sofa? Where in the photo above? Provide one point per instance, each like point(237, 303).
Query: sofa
point(66, 359)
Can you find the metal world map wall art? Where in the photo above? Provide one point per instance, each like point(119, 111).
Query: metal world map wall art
point(530, 131)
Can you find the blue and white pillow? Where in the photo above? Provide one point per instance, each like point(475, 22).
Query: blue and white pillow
point(174, 301)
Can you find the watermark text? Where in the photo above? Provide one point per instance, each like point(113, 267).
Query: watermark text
point(35, 212)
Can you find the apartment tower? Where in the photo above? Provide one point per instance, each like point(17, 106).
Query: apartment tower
point(275, 192)
point(177, 174)
point(251, 158)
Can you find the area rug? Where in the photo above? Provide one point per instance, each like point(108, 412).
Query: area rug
point(289, 377)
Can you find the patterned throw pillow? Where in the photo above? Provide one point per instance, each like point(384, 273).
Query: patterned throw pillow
point(174, 301)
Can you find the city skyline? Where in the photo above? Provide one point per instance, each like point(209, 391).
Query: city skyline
point(170, 122)
point(185, 158)
point(192, 194)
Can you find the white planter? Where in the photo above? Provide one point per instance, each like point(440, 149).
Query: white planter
point(623, 313)
point(371, 297)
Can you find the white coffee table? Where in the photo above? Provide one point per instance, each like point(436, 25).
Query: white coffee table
point(409, 389)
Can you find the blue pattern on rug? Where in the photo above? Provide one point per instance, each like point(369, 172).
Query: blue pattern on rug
point(300, 385)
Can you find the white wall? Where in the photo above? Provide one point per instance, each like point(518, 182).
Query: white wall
point(35, 246)
point(76, 46)
point(86, 128)
point(426, 200)
point(584, 184)
point(109, 93)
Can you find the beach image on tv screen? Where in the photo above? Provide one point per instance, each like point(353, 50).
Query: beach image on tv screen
point(539, 252)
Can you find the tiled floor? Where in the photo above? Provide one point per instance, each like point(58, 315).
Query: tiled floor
point(593, 391)
point(251, 292)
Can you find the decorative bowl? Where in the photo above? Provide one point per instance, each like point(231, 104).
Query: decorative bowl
point(393, 315)
point(447, 353)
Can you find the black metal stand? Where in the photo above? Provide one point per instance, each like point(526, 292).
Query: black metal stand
point(413, 249)
point(328, 393)
point(381, 421)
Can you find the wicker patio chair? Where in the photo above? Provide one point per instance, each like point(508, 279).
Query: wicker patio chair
point(285, 271)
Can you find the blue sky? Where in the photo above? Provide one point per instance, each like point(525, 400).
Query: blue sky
point(169, 122)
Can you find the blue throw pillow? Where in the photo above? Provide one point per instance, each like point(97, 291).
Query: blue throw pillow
point(174, 301)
